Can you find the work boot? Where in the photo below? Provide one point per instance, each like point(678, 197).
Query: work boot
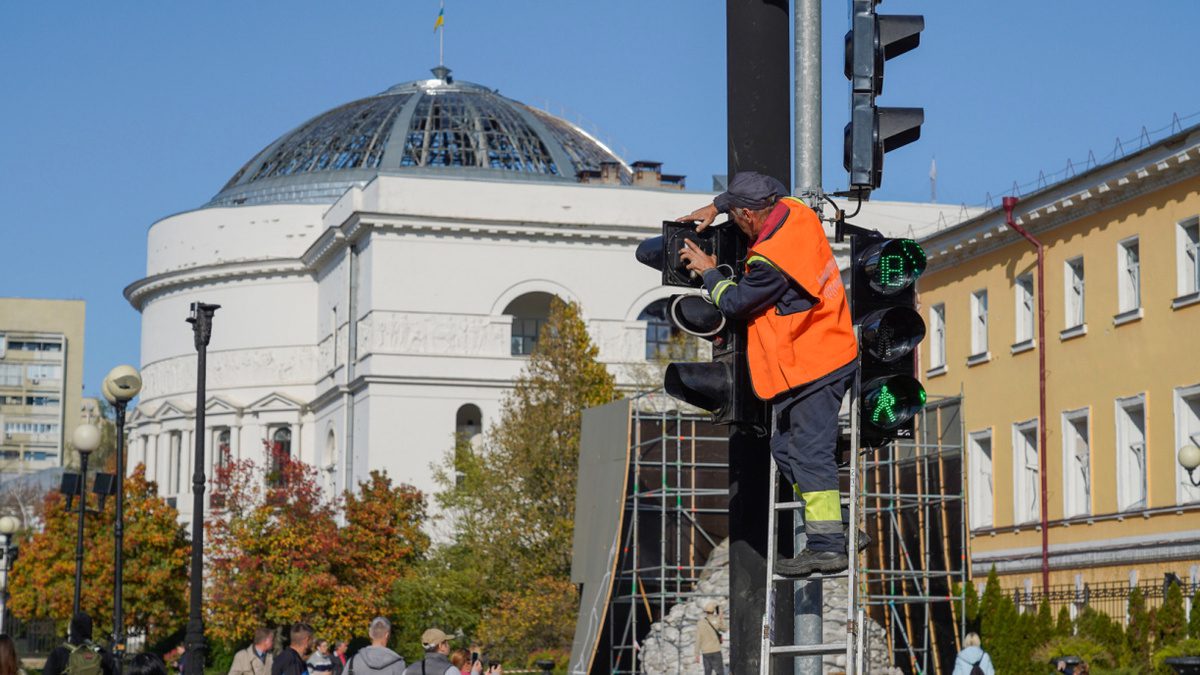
point(825, 562)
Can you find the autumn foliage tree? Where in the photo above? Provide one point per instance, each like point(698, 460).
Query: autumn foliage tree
point(277, 555)
point(512, 497)
point(156, 549)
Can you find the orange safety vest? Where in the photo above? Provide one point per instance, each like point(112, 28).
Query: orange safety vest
point(785, 351)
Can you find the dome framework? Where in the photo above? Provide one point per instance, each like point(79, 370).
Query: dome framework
point(437, 126)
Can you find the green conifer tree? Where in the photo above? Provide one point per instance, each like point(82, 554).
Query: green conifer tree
point(1063, 629)
point(1170, 624)
point(1138, 633)
point(1194, 617)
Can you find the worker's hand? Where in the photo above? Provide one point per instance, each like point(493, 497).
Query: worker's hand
point(703, 217)
point(697, 260)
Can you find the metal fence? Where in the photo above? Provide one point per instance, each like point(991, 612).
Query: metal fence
point(1111, 598)
point(33, 638)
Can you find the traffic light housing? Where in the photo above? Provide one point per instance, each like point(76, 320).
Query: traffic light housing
point(722, 385)
point(883, 305)
point(873, 40)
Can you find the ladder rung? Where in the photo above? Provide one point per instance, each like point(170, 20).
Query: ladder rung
point(827, 649)
point(815, 576)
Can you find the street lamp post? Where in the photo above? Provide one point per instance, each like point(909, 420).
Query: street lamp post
point(120, 386)
point(201, 320)
point(8, 526)
point(85, 439)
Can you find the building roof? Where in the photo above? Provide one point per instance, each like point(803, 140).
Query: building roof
point(434, 127)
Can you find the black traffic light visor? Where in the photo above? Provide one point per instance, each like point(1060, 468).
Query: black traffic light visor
point(708, 386)
point(697, 316)
point(892, 333)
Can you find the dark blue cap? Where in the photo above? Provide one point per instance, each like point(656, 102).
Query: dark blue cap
point(750, 190)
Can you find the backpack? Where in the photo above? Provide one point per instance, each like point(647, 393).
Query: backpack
point(84, 659)
point(975, 669)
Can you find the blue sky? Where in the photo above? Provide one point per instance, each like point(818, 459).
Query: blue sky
point(115, 115)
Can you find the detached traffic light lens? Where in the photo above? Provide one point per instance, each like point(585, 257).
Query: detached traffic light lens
point(708, 386)
point(893, 333)
point(894, 265)
point(696, 316)
point(890, 402)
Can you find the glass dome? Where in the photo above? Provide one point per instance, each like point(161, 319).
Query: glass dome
point(436, 127)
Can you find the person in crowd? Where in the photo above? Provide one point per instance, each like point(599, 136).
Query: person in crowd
point(708, 639)
point(80, 654)
point(257, 658)
point(461, 659)
point(377, 659)
point(291, 661)
point(339, 656)
point(10, 663)
point(145, 663)
point(437, 655)
point(972, 660)
point(321, 661)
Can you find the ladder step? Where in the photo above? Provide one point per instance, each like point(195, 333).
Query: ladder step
point(827, 649)
point(815, 576)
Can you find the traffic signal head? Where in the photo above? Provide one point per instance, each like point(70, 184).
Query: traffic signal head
point(882, 291)
point(872, 131)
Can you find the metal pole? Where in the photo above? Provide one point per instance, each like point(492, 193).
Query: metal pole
point(4, 580)
point(808, 98)
point(81, 490)
point(118, 641)
point(808, 626)
point(201, 320)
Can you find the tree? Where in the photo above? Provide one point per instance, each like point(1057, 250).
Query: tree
point(155, 565)
point(531, 619)
point(1138, 632)
point(272, 548)
point(1063, 627)
point(1170, 621)
point(1194, 617)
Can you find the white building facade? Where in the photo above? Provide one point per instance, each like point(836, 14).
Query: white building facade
point(382, 272)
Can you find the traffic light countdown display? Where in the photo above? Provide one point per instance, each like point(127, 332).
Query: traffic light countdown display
point(874, 39)
point(882, 303)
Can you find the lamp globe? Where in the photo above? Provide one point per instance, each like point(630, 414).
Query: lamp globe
point(9, 525)
point(1189, 457)
point(124, 382)
point(86, 438)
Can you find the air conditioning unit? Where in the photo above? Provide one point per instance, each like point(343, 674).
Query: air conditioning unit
point(35, 380)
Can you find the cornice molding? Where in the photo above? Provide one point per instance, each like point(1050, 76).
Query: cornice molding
point(140, 292)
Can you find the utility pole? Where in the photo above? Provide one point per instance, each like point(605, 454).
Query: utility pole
point(757, 86)
point(807, 623)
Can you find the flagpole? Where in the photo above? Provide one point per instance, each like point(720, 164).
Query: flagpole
point(442, 34)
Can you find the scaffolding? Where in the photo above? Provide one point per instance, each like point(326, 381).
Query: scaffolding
point(913, 570)
point(676, 513)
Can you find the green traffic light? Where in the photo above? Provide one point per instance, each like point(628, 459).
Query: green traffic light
point(895, 265)
point(892, 401)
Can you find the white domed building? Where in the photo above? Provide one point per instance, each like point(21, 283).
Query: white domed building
point(382, 271)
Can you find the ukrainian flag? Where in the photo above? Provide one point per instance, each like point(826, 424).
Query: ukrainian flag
point(441, 20)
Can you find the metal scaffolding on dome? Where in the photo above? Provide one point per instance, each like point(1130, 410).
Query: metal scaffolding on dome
point(676, 513)
point(916, 563)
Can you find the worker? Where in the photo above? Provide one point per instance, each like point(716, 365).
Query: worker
point(800, 346)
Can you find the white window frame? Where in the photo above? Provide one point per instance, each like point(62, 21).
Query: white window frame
point(1129, 276)
point(1077, 463)
point(174, 462)
point(1025, 311)
point(1187, 256)
point(1074, 293)
point(979, 324)
point(937, 338)
point(1187, 423)
point(1026, 473)
point(3, 345)
point(981, 479)
point(1132, 494)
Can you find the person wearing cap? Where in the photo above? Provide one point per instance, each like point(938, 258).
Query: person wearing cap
point(437, 655)
point(377, 658)
point(800, 347)
point(708, 639)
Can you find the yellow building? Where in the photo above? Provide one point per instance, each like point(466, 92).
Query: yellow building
point(1122, 304)
point(41, 381)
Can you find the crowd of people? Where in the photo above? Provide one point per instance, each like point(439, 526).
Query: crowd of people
point(304, 655)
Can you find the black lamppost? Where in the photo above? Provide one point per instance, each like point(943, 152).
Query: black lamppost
point(8, 527)
point(120, 386)
point(85, 439)
point(201, 320)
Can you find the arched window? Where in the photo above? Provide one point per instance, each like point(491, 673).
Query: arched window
point(280, 450)
point(659, 329)
point(224, 453)
point(330, 451)
point(469, 421)
point(529, 313)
